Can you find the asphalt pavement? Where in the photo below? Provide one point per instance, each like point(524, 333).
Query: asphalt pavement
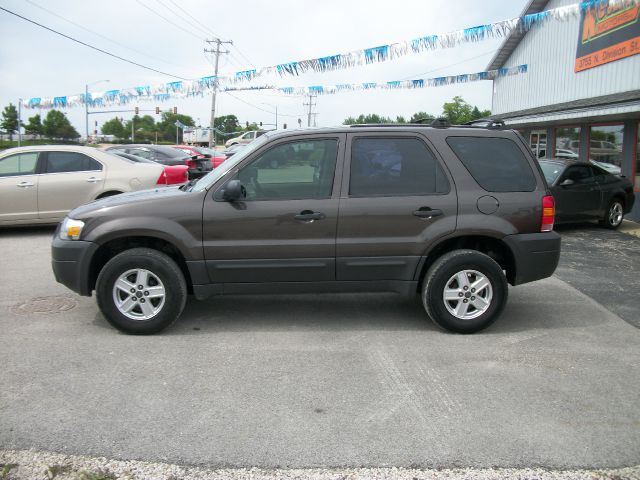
point(346, 380)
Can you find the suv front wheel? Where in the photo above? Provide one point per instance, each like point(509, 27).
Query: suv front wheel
point(464, 291)
point(141, 291)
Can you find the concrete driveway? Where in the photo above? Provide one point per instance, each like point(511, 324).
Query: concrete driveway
point(304, 381)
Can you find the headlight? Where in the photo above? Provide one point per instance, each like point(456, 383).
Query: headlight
point(71, 229)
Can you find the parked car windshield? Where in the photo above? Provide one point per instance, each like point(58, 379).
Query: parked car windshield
point(217, 173)
point(551, 171)
point(206, 151)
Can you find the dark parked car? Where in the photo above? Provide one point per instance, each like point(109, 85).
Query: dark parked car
point(449, 213)
point(203, 152)
point(165, 155)
point(584, 191)
point(173, 174)
point(233, 149)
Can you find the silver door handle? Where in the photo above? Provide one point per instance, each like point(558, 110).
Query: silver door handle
point(93, 180)
point(24, 184)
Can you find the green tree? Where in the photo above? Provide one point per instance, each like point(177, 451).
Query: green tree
point(418, 116)
point(34, 127)
point(369, 118)
point(57, 125)
point(228, 124)
point(116, 128)
point(477, 114)
point(167, 126)
point(457, 111)
point(9, 121)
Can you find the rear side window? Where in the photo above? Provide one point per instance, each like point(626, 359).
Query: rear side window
point(497, 164)
point(62, 162)
point(394, 166)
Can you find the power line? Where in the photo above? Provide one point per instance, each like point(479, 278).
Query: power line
point(244, 56)
point(259, 108)
point(169, 21)
point(91, 46)
point(447, 66)
point(211, 32)
point(100, 35)
point(181, 16)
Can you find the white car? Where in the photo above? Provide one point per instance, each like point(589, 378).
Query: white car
point(39, 185)
point(246, 137)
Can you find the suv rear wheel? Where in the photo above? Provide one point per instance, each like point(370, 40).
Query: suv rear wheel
point(141, 291)
point(464, 291)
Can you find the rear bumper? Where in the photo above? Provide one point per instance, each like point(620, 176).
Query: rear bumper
point(71, 262)
point(536, 255)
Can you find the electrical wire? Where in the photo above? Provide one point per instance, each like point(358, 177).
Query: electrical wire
point(177, 13)
point(169, 21)
point(259, 108)
point(207, 29)
point(101, 36)
point(91, 46)
point(417, 75)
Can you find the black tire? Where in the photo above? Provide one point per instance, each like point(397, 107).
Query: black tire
point(162, 268)
point(613, 215)
point(442, 272)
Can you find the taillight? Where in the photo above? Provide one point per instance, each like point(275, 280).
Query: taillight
point(162, 179)
point(548, 213)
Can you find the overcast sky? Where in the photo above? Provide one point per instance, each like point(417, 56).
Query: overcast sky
point(38, 63)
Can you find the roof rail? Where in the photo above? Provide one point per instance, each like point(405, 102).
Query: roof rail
point(486, 123)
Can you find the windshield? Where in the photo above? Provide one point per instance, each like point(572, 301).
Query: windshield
point(551, 171)
point(206, 151)
point(217, 173)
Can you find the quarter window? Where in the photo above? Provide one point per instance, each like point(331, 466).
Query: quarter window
point(18, 164)
point(497, 164)
point(580, 174)
point(394, 166)
point(294, 170)
point(63, 162)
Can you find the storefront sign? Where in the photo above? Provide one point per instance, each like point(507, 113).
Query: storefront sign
point(609, 31)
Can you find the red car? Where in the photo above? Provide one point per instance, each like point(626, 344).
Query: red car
point(203, 152)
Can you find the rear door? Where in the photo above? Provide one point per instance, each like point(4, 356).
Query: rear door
point(18, 187)
point(68, 180)
point(397, 198)
point(285, 228)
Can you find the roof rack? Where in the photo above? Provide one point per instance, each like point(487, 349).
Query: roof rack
point(486, 123)
point(436, 123)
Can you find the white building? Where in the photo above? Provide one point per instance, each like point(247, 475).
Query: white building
point(581, 95)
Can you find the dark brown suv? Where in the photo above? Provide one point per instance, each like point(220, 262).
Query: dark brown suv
point(450, 213)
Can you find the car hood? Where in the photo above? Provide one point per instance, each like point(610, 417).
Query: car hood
point(138, 201)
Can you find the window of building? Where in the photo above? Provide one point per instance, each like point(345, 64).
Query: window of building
point(64, 162)
point(293, 170)
point(605, 144)
point(18, 164)
point(567, 142)
point(497, 164)
point(538, 143)
point(394, 166)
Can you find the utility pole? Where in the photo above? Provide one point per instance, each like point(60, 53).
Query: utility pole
point(217, 53)
point(311, 105)
point(19, 121)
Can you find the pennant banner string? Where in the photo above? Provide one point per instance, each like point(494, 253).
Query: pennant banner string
point(191, 89)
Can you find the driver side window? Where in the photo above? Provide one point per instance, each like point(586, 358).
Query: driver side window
point(580, 174)
point(291, 171)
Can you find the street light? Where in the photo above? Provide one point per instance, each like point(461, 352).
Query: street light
point(86, 107)
point(276, 107)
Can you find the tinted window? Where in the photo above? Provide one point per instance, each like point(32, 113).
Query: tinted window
point(60, 162)
point(394, 166)
point(140, 153)
point(497, 164)
point(18, 164)
point(580, 174)
point(551, 171)
point(293, 170)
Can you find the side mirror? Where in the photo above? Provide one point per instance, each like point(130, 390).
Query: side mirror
point(234, 191)
point(566, 182)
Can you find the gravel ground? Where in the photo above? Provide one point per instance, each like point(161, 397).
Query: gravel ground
point(32, 465)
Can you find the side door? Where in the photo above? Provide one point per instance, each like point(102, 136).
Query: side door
point(577, 194)
point(397, 198)
point(18, 187)
point(68, 180)
point(284, 230)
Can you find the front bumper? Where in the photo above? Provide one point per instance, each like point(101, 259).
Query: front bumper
point(536, 255)
point(71, 263)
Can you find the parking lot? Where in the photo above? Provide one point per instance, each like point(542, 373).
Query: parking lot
point(331, 380)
